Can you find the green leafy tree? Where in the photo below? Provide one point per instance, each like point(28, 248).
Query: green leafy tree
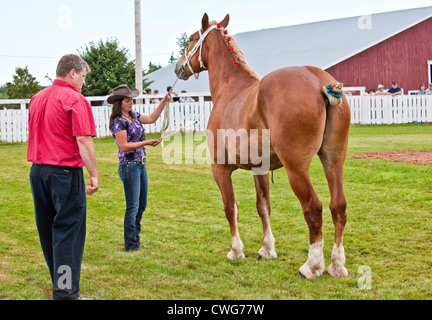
point(151, 68)
point(3, 92)
point(182, 42)
point(110, 67)
point(172, 58)
point(23, 86)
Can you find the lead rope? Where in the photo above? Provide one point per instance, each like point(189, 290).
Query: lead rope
point(166, 119)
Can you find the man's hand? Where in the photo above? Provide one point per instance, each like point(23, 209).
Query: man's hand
point(92, 186)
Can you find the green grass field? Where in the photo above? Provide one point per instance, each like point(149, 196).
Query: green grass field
point(185, 236)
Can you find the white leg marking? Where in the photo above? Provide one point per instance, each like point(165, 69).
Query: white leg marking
point(236, 243)
point(314, 265)
point(337, 267)
point(267, 251)
point(236, 249)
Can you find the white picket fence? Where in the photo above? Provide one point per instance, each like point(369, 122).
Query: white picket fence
point(390, 109)
point(183, 116)
point(195, 115)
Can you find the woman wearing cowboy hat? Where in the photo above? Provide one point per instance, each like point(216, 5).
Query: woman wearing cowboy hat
point(127, 129)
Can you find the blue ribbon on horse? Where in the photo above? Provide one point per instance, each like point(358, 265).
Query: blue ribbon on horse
point(331, 92)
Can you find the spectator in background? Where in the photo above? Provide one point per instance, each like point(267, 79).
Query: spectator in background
point(394, 90)
point(370, 92)
point(381, 90)
point(148, 92)
point(187, 98)
point(105, 103)
point(156, 100)
point(429, 90)
point(421, 89)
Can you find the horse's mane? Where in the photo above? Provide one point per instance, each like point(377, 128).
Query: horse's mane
point(240, 54)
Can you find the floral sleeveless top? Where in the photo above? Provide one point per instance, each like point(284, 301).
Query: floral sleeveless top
point(135, 133)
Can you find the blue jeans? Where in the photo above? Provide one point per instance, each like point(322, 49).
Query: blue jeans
point(134, 178)
point(60, 211)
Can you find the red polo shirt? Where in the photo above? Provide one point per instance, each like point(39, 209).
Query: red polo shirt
point(57, 115)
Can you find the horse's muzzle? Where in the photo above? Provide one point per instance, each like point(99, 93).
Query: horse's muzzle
point(181, 71)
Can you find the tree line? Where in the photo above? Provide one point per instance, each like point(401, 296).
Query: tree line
point(110, 66)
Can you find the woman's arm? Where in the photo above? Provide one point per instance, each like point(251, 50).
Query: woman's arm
point(144, 119)
point(121, 137)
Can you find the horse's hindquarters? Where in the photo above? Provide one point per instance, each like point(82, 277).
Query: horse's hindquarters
point(293, 108)
point(301, 125)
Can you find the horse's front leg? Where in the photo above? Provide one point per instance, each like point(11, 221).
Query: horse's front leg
point(267, 251)
point(222, 176)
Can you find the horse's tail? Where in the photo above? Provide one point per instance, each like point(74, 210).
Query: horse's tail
point(335, 139)
point(332, 94)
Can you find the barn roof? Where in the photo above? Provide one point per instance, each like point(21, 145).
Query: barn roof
point(322, 44)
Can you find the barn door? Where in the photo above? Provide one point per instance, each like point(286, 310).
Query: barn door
point(429, 72)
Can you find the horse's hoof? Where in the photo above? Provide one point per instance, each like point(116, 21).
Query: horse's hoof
point(301, 275)
point(337, 273)
point(232, 256)
point(266, 254)
point(311, 273)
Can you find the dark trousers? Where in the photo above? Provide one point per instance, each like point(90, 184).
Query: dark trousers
point(60, 209)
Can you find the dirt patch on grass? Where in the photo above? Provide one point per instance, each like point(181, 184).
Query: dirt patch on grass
point(419, 157)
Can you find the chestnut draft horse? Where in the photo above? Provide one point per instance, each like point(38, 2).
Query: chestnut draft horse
point(302, 119)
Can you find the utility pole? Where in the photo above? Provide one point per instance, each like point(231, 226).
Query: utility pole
point(138, 54)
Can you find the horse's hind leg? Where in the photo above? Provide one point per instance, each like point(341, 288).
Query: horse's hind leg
point(222, 177)
point(334, 174)
point(312, 210)
point(332, 155)
point(267, 251)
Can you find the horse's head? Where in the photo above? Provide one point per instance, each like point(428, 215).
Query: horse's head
point(192, 61)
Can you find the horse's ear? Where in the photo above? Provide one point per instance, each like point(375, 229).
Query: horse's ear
point(204, 21)
point(224, 22)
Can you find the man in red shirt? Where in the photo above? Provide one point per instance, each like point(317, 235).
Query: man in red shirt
point(61, 127)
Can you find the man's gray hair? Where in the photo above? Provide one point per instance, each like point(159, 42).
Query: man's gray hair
point(69, 62)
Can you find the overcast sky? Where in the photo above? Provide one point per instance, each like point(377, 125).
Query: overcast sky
point(36, 33)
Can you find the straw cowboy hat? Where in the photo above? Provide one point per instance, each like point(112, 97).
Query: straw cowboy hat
point(122, 91)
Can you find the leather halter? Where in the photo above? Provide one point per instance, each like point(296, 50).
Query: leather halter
point(197, 46)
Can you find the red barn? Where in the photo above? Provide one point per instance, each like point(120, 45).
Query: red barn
point(405, 57)
point(358, 51)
